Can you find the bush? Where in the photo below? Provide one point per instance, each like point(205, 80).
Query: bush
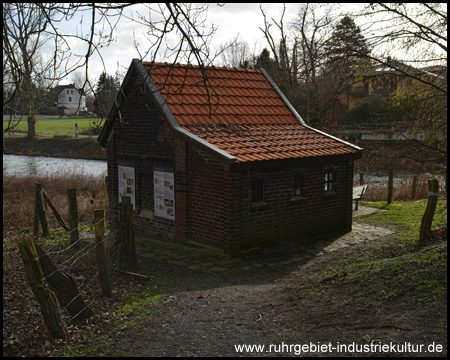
point(372, 110)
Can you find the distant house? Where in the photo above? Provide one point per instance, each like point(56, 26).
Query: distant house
point(70, 99)
point(220, 159)
point(382, 81)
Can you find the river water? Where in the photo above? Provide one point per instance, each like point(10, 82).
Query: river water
point(52, 167)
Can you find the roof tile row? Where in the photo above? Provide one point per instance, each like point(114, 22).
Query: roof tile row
point(261, 142)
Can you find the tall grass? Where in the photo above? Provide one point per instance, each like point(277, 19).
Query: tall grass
point(403, 190)
point(18, 201)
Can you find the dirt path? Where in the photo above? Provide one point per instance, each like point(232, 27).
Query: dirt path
point(208, 313)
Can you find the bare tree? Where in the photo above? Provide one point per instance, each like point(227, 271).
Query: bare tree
point(298, 50)
point(312, 28)
point(175, 32)
point(237, 53)
point(284, 47)
point(24, 26)
point(417, 31)
point(416, 34)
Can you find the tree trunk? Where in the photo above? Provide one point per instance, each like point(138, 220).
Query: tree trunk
point(73, 216)
point(32, 126)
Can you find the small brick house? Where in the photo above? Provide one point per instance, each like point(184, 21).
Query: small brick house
point(219, 158)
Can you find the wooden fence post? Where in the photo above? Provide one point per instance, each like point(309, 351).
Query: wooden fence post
point(55, 212)
point(390, 185)
point(102, 259)
point(73, 215)
point(361, 178)
point(427, 219)
point(65, 288)
point(46, 297)
point(127, 258)
point(41, 210)
point(36, 220)
point(414, 187)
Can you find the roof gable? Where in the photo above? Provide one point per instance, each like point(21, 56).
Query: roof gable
point(238, 114)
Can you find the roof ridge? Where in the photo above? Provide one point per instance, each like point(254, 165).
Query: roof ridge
point(226, 68)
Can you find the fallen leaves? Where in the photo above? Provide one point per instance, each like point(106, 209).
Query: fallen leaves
point(24, 331)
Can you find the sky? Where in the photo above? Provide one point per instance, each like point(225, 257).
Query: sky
point(231, 20)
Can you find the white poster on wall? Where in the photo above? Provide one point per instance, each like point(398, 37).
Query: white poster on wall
point(127, 182)
point(164, 190)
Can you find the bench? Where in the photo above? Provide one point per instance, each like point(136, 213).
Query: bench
point(358, 192)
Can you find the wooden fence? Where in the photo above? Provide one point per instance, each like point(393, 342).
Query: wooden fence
point(55, 288)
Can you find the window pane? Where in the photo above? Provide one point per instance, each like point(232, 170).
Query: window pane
point(297, 186)
point(257, 190)
point(329, 181)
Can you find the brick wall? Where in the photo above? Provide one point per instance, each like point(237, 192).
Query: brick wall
point(146, 140)
point(209, 199)
point(282, 216)
point(221, 214)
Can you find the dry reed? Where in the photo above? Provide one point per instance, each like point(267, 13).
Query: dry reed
point(18, 199)
point(403, 190)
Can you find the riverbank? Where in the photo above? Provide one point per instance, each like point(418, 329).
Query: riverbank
point(399, 155)
point(75, 148)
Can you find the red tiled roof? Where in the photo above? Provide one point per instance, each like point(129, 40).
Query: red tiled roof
point(245, 117)
point(256, 142)
point(237, 96)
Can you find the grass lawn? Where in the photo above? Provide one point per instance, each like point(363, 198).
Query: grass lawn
point(408, 215)
point(63, 126)
point(399, 269)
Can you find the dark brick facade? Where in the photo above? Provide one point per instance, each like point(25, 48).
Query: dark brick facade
point(213, 199)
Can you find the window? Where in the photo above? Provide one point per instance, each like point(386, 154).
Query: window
point(67, 92)
point(297, 186)
point(258, 189)
point(70, 99)
point(71, 92)
point(329, 181)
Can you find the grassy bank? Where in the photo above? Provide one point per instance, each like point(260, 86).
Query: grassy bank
point(81, 148)
point(24, 332)
point(59, 126)
point(396, 273)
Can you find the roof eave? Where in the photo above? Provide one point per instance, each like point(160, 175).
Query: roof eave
point(299, 118)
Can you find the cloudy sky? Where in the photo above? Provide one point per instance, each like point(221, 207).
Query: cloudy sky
point(231, 20)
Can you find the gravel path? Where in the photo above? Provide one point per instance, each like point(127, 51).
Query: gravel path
point(208, 312)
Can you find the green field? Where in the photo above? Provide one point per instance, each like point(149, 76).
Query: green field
point(63, 126)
